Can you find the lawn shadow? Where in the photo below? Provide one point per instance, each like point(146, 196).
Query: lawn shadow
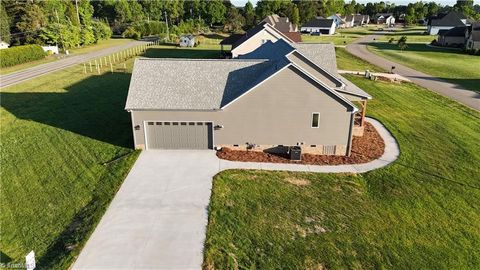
point(4, 258)
point(178, 52)
point(461, 84)
point(93, 107)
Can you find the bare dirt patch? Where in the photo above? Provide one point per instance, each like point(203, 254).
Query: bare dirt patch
point(364, 149)
point(298, 181)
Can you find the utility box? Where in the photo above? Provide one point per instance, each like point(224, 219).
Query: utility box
point(295, 153)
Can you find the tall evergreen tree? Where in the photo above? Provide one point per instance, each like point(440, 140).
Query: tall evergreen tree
point(4, 25)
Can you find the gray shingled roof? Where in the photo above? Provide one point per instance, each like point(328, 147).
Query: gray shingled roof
point(188, 84)
point(322, 54)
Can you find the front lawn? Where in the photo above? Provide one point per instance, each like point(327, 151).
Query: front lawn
point(348, 61)
point(421, 212)
point(342, 36)
point(66, 146)
point(451, 65)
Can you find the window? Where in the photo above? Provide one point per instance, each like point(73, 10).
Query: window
point(315, 120)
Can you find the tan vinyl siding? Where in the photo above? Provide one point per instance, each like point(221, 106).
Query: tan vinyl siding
point(255, 41)
point(277, 112)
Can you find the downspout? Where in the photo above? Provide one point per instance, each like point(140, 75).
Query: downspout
point(349, 145)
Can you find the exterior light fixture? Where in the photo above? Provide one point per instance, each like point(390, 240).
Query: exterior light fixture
point(137, 127)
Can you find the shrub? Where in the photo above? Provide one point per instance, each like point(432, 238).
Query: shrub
point(131, 32)
point(391, 40)
point(101, 30)
point(20, 54)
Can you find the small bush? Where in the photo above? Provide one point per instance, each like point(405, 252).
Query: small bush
point(391, 40)
point(130, 32)
point(20, 54)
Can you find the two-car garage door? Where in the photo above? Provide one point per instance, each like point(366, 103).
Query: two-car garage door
point(179, 135)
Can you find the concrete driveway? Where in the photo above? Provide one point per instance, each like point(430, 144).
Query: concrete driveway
point(158, 218)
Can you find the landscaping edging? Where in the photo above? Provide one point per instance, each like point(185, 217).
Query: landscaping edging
point(391, 153)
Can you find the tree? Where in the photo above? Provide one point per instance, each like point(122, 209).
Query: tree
point(402, 43)
point(249, 14)
point(466, 7)
point(350, 8)
point(30, 23)
point(4, 25)
point(307, 9)
point(295, 18)
point(122, 11)
point(215, 11)
point(234, 20)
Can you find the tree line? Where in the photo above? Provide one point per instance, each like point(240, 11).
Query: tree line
point(71, 23)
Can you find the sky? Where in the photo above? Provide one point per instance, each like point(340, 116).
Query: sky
point(241, 3)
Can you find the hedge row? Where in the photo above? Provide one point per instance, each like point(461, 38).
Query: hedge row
point(20, 54)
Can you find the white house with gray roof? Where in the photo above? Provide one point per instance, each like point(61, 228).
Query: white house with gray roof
point(280, 94)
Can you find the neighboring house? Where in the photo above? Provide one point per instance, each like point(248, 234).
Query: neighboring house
point(51, 48)
point(445, 22)
point(349, 20)
point(339, 21)
point(359, 20)
point(187, 41)
point(281, 94)
point(385, 18)
point(319, 25)
point(283, 25)
point(473, 36)
point(255, 37)
point(454, 37)
point(3, 45)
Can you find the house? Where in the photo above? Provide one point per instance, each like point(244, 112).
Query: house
point(280, 94)
point(187, 41)
point(283, 25)
point(338, 20)
point(359, 20)
point(319, 25)
point(3, 45)
point(445, 22)
point(454, 37)
point(385, 18)
point(473, 36)
point(349, 20)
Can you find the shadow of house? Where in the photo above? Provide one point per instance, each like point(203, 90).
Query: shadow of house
point(93, 107)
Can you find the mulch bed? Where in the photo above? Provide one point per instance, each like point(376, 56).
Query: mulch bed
point(364, 149)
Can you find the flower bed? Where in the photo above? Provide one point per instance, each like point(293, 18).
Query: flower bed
point(364, 149)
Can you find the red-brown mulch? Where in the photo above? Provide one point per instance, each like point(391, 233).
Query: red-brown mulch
point(364, 149)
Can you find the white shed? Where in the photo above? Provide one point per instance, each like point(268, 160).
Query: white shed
point(187, 41)
point(4, 45)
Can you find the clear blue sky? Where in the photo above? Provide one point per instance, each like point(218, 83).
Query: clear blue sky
point(242, 3)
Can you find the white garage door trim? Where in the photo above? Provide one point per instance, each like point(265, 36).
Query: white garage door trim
point(145, 124)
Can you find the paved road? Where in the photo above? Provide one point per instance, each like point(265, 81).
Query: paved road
point(29, 73)
point(451, 90)
point(158, 218)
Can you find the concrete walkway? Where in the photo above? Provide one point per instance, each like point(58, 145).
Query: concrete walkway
point(451, 90)
point(391, 153)
point(392, 76)
point(30, 73)
point(158, 218)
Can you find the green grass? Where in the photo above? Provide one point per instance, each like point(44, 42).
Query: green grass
point(451, 65)
point(342, 36)
point(414, 34)
point(347, 61)
point(66, 146)
point(100, 45)
point(421, 212)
